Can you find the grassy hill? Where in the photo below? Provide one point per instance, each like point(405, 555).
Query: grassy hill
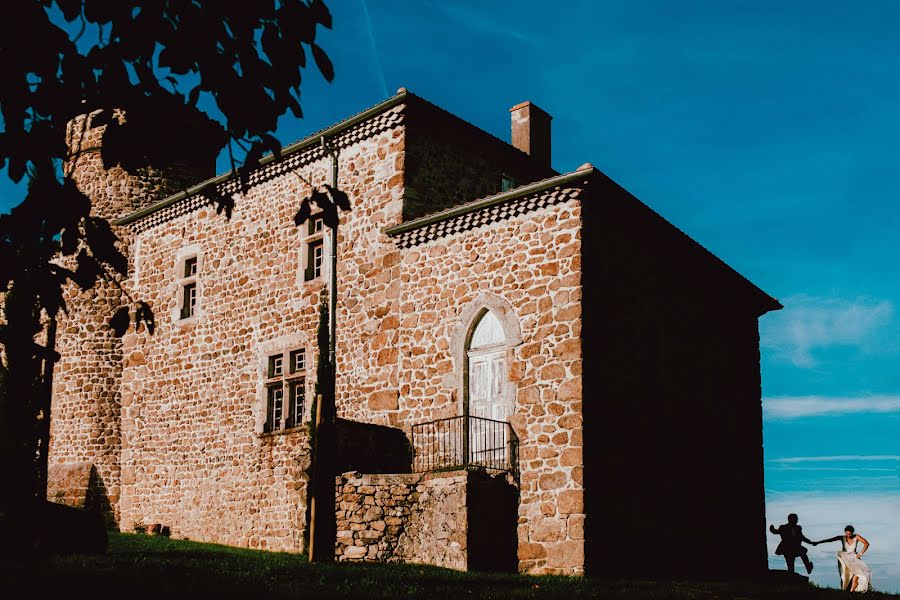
point(139, 566)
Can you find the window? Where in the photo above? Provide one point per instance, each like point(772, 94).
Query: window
point(285, 378)
point(189, 300)
point(190, 267)
point(276, 366)
point(188, 275)
point(298, 361)
point(507, 182)
point(314, 248)
point(316, 253)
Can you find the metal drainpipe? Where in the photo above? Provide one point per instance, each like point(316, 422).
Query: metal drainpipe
point(322, 550)
point(332, 287)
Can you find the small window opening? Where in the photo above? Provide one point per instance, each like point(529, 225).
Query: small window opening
point(276, 407)
point(190, 267)
point(275, 366)
point(187, 276)
point(313, 248)
point(315, 259)
point(285, 380)
point(298, 361)
point(298, 400)
point(189, 300)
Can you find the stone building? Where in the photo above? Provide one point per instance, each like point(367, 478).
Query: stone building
point(565, 365)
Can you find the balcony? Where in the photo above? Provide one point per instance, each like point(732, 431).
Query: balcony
point(469, 443)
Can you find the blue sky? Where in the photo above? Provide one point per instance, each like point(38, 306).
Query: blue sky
point(768, 131)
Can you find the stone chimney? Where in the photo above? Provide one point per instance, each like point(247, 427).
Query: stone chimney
point(531, 131)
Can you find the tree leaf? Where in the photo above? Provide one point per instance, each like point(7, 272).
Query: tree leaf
point(323, 62)
point(69, 8)
point(330, 216)
point(320, 13)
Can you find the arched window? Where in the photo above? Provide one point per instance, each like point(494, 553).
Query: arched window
point(488, 332)
point(488, 377)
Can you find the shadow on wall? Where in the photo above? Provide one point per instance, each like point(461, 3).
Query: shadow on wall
point(491, 503)
point(98, 500)
point(672, 415)
point(369, 448)
point(493, 510)
point(77, 513)
point(78, 485)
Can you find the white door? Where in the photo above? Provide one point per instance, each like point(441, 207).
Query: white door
point(487, 394)
point(486, 386)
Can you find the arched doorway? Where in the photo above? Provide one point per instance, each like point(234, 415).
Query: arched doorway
point(488, 404)
point(478, 435)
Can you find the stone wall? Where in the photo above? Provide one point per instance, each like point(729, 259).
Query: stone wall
point(416, 517)
point(195, 457)
point(193, 453)
point(86, 408)
point(449, 162)
point(445, 285)
point(85, 411)
point(70, 484)
point(115, 192)
point(461, 520)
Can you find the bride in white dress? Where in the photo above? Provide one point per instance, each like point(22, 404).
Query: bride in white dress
point(856, 575)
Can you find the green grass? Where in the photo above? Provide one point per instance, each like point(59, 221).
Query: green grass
point(139, 566)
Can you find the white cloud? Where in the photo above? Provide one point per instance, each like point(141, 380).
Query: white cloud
point(841, 457)
point(875, 516)
point(793, 407)
point(808, 322)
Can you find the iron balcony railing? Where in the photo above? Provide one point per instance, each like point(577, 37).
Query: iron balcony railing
point(465, 443)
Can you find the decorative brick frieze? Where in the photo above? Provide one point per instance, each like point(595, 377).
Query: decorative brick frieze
point(291, 162)
point(484, 215)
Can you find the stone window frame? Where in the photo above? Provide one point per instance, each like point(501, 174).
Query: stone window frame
point(313, 236)
point(461, 339)
point(288, 381)
point(183, 279)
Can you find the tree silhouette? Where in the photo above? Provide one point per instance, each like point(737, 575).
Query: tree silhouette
point(149, 59)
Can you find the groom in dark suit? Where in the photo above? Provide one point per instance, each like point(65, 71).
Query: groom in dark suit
point(791, 543)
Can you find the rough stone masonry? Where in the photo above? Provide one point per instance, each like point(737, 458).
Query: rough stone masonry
point(201, 425)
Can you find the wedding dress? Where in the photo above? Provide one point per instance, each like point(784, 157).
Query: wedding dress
point(851, 566)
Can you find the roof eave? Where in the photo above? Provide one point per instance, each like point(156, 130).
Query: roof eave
point(489, 201)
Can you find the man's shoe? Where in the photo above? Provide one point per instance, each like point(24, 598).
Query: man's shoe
point(809, 568)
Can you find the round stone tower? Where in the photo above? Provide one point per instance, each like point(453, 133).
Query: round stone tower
point(85, 436)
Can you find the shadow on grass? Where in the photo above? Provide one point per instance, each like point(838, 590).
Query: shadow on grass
point(140, 566)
